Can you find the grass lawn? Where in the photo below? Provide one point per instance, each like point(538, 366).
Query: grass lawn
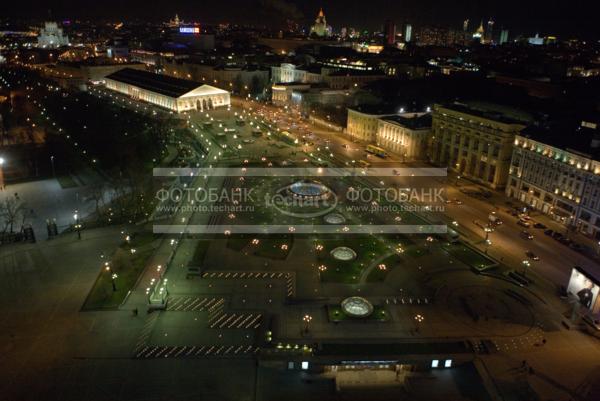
point(272, 247)
point(336, 314)
point(128, 266)
point(66, 181)
point(378, 275)
point(469, 256)
point(367, 249)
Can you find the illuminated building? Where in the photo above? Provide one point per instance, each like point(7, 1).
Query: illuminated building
point(286, 73)
point(363, 121)
point(405, 134)
point(320, 28)
point(51, 36)
point(171, 93)
point(479, 33)
point(489, 33)
point(408, 33)
point(556, 170)
point(475, 140)
point(504, 36)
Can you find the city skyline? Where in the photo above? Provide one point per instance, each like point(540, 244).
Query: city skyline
point(528, 18)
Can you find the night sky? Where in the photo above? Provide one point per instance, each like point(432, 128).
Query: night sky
point(574, 17)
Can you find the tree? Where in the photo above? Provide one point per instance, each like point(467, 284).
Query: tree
point(11, 209)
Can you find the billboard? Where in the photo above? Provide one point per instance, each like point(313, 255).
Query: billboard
point(194, 30)
point(585, 289)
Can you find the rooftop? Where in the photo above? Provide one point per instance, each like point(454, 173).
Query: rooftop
point(163, 84)
point(376, 109)
point(570, 136)
point(411, 120)
point(491, 111)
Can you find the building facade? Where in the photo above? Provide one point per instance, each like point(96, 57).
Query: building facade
point(51, 36)
point(405, 134)
point(286, 73)
point(363, 121)
point(473, 142)
point(174, 94)
point(560, 182)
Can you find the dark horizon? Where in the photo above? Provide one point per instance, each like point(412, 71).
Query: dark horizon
point(545, 17)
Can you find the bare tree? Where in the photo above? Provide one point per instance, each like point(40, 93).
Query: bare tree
point(11, 209)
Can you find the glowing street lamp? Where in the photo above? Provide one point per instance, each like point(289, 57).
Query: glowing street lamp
point(306, 319)
point(418, 320)
point(77, 225)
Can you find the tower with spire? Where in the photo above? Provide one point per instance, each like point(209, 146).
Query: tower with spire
point(478, 35)
point(320, 28)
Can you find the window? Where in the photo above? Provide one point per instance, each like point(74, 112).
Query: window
point(304, 365)
point(435, 363)
point(448, 363)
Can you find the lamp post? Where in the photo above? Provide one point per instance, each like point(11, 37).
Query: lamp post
point(52, 163)
point(307, 319)
point(113, 277)
point(418, 320)
point(77, 225)
point(1, 173)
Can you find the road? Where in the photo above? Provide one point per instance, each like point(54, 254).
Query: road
point(507, 244)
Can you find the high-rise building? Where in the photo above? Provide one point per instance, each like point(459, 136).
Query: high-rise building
point(478, 35)
point(466, 25)
point(320, 28)
point(504, 36)
point(390, 32)
point(489, 33)
point(408, 33)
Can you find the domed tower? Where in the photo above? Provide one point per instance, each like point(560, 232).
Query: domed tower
point(320, 27)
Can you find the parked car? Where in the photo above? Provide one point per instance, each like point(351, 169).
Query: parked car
point(540, 226)
point(525, 217)
point(557, 236)
point(576, 246)
point(549, 232)
point(526, 235)
point(565, 240)
point(532, 256)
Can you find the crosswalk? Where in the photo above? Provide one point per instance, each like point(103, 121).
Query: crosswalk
point(407, 301)
point(288, 277)
point(194, 304)
point(235, 321)
point(195, 351)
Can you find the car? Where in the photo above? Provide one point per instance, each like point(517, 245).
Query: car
point(576, 247)
point(566, 241)
point(540, 226)
point(457, 201)
point(525, 217)
point(524, 223)
point(549, 232)
point(526, 235)
point(557, 236)
point(532, 256)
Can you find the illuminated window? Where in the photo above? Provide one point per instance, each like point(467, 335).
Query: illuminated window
point(304, 365)
point(448, 363)
point(435, 363)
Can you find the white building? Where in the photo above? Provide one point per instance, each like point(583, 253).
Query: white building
point(287, 73)
point(405, 134)
point(363, 121)
point(171, 93)
point(557, 171)
point(51, 36)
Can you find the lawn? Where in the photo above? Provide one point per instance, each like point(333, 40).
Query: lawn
point(128, 266)
point(377, 275)
point(367, 249)
point(469, 256)
point(272, 247)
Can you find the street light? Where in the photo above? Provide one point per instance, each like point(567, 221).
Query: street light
point(113, 277)
point(77, 225)
point(1, 173)
point(418, 320)
point(307, 319)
